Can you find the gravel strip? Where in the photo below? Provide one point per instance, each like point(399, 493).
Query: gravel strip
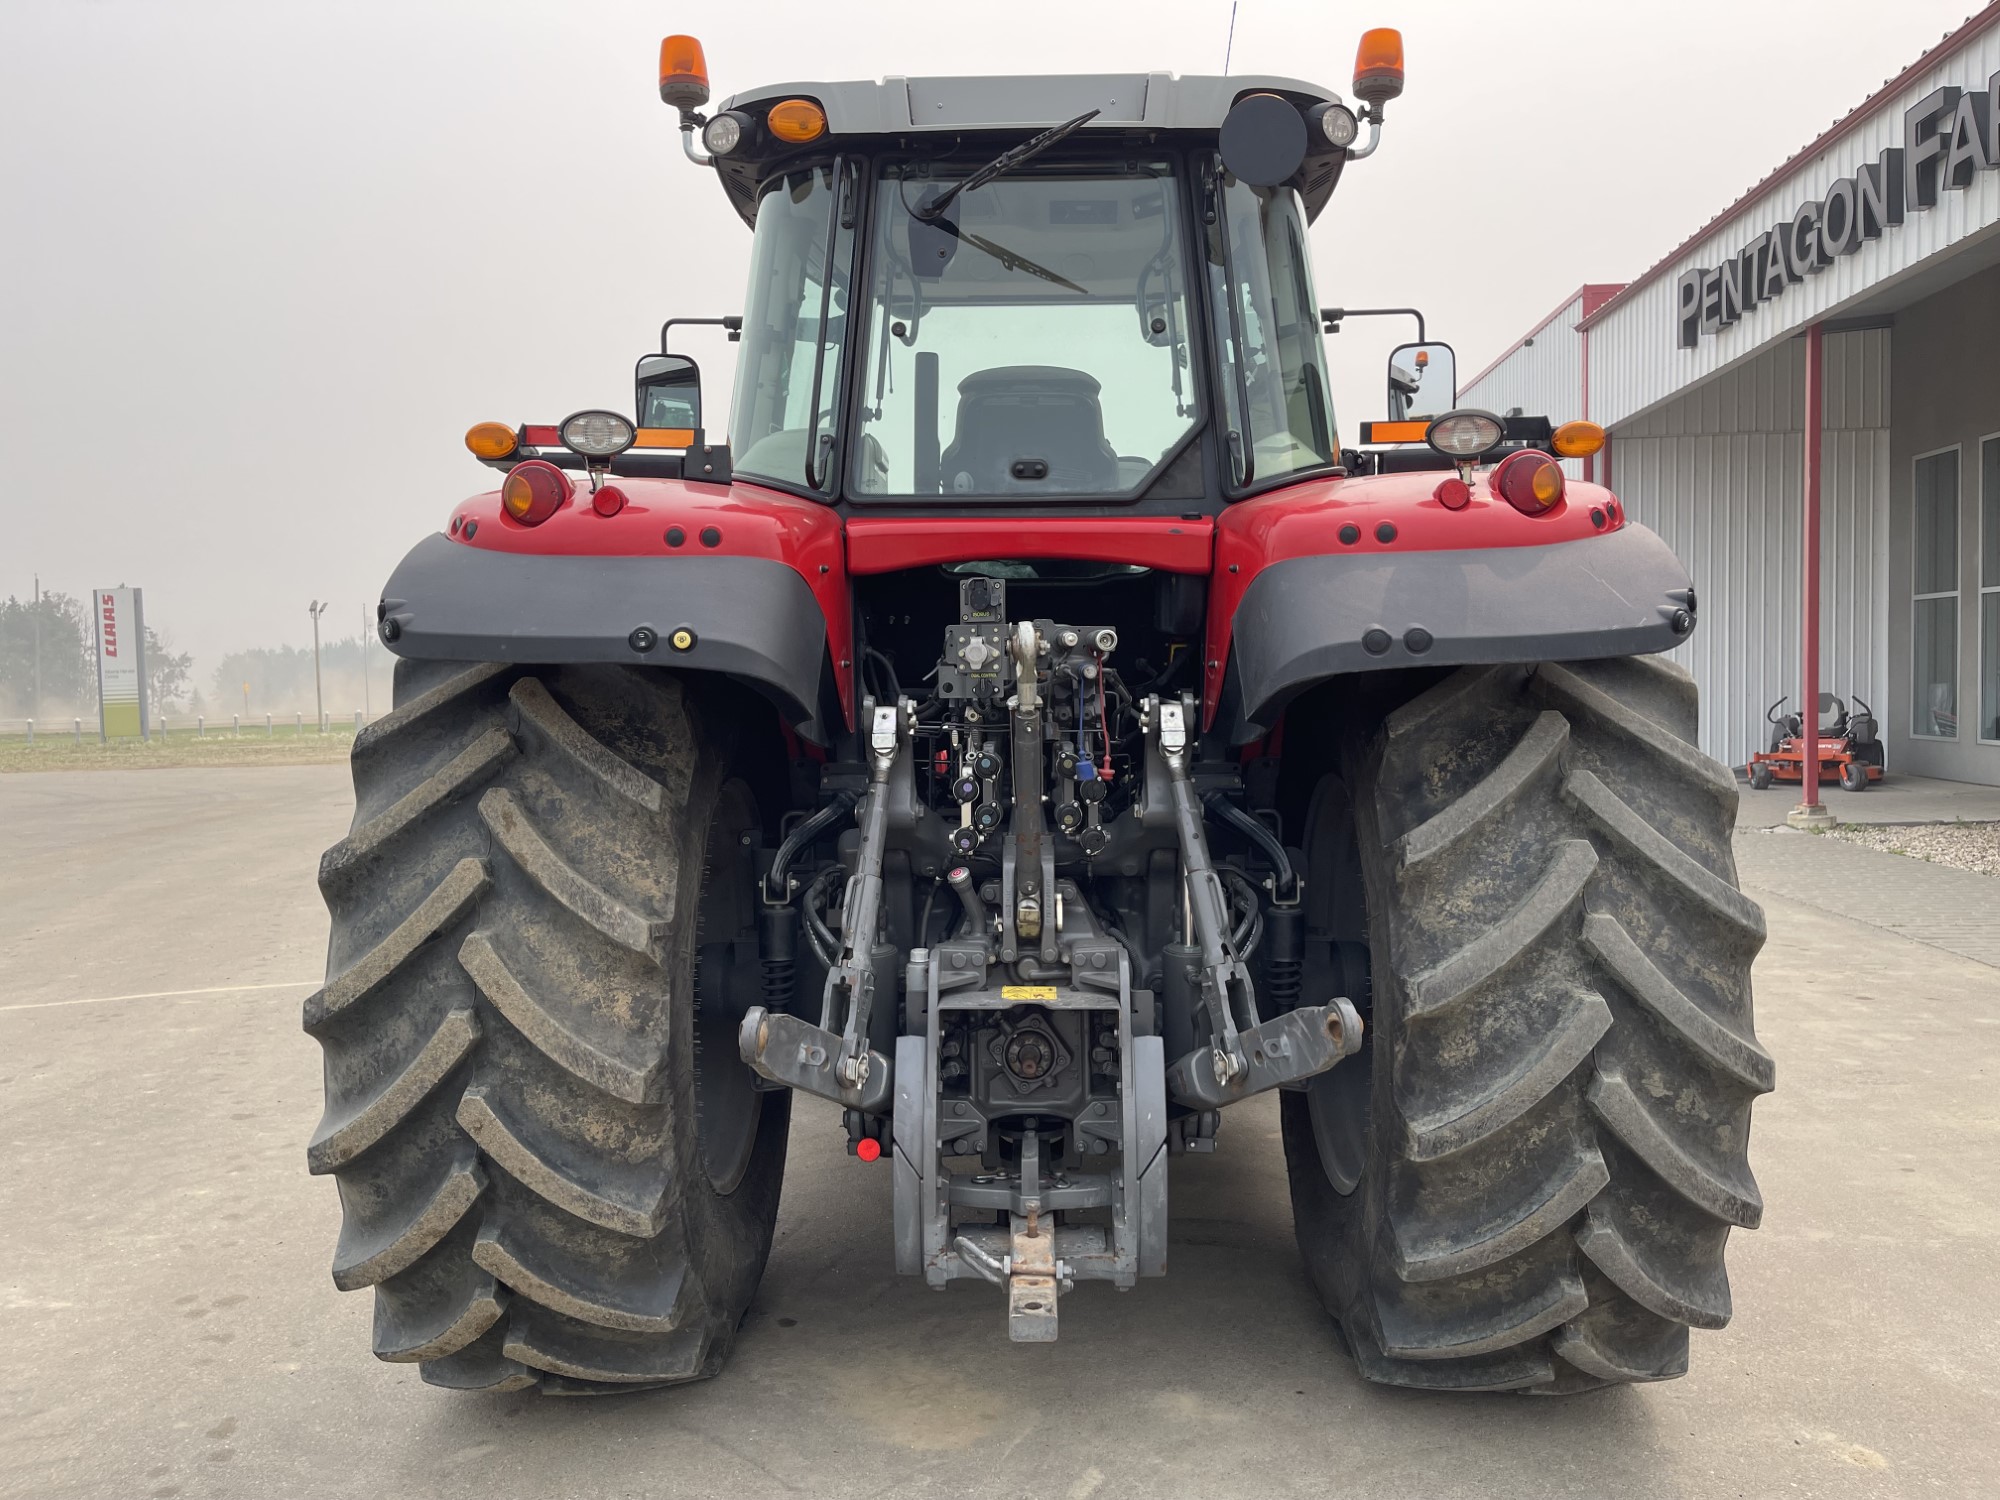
point(1964, 846)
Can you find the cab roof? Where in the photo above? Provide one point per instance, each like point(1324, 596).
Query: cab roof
point(1127, 104)
point(1144, 101)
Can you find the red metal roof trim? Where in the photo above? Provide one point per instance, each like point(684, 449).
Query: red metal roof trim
point(1594, 295)
point(1972, 27)
point(1597, 293)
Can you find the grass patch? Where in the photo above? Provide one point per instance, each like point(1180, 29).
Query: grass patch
point(286, 745)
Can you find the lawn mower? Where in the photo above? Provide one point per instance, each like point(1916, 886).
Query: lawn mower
point(1849, 749)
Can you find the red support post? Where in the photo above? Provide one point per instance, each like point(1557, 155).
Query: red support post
point(1809, 686)
point(1590, 462)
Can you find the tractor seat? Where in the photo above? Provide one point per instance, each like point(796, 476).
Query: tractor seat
point(1832, 715)
point(1035, 429)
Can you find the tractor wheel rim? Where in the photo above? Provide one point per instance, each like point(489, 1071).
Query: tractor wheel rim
point(1338, 1102)
point(1338, 1105)
point(728, 1106)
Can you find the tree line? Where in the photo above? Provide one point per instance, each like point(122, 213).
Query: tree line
point(48, 660)
point(48, 670)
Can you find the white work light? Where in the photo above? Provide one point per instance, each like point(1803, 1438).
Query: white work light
point(1336, 123)
point(597, 434)
point(722, 135)
point(1464, 435)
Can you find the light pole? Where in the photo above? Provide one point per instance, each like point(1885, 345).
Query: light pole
point(316, 609)
point(37, 617)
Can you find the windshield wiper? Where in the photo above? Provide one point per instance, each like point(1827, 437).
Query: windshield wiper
point(1006, 161)
point(1010, 259)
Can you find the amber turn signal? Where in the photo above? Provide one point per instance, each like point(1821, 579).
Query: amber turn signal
point(683, 73)
point(1578, 439)
point(533, 491)
point(797, 121)
point(1529, 481)
point(491, 440)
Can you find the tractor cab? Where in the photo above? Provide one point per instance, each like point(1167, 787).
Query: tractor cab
point(1071, 291)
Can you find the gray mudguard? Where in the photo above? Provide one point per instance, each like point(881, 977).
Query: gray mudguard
point(1310, 618)
point(745, 617)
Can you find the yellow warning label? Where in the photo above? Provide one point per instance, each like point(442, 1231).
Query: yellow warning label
point(1027, 992)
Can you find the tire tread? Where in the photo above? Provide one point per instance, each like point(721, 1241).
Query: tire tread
point(508, 1115)
point(1563, 1054)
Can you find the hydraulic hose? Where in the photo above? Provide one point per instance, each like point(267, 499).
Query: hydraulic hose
point(1140, 968)
point(825, 941)
point(777, 884)
point(1246, 933)
point(1253, 828)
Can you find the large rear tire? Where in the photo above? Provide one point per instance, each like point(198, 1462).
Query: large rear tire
point(1527, 1178)
point(553, 1168)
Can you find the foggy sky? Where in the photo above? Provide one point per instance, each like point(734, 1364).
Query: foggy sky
point(261, 264)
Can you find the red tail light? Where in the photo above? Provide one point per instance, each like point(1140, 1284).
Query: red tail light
point(534, 491)
point(608, 500)
point(1531, 482)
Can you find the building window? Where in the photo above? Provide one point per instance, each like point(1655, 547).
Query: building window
point(1989, 589)
point(1934, 596)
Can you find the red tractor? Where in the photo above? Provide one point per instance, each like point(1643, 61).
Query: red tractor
point(1029, 733)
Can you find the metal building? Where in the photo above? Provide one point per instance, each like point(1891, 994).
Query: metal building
point(1864, 272)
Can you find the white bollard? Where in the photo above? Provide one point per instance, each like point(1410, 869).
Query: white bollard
point(357, 721)
point(201, 726)
point(236, 725)
point(76, 728)
point(268, 730)
point(299, 723)
point(31, 731)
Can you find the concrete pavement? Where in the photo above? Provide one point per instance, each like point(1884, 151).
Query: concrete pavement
point(1956, 910)
point(171, 1330)
point(1894, 799)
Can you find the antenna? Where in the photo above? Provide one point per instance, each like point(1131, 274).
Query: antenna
point(1229, 47)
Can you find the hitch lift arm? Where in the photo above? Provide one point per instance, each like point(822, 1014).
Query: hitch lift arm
point(833, 1059)
point(1244, 1055)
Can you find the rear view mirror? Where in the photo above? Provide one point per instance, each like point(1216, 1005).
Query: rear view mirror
point(668, 392)
point(1423, 381)
point(1263, 140)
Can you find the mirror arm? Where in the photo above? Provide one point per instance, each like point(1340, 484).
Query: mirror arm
point(732, 325)
point(1330, 317)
